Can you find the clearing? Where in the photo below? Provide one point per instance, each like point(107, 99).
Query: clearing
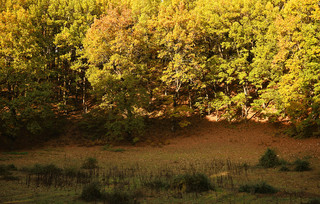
point(197, 147)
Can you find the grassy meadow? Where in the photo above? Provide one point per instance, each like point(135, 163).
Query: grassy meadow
point(186, 169)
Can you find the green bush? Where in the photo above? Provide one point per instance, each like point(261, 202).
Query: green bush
point(261, 188)
point(91, 192)
point(191, 183)
point(302, 165)
point(90, 163)
point(116, 197)
point(269, 159)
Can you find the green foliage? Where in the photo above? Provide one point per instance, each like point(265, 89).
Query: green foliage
point(90, 163)
point(261, 188)
point(117, 196)
point(269, 159)
point(191, 183)
point(94, 192)
point(303, 129)
point(110, 126)
point(302, 165)
point(237, 59)
point(91, 192)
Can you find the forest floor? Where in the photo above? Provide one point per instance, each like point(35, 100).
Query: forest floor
point(199, 145)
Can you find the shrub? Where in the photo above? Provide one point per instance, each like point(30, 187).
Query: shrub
point(90, 163)
point(91, 192)
point(269, 159)
point(262, 188)
point(117, 196)
point(302, 165)
point(192, 183)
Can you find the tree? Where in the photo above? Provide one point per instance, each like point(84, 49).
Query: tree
point(25, 93)
point(114, 47)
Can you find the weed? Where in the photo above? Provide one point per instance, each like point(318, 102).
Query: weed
point(90, 163)
point(192, 183)
point(262, 188)
point(269, 159)
point(302, 165)
point(91, 192)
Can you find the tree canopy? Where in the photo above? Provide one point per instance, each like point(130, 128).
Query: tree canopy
point(131, 60)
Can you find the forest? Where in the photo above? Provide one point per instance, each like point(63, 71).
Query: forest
point(120, 64)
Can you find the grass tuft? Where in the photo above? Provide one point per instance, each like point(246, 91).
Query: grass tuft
point(91, 192)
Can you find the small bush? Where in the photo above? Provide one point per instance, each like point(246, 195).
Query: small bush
point(91, 192)
point(302, 165)
point(116, 197)
point(269, 159)
point(262, 188)
point(191, 183)
point(90, 163)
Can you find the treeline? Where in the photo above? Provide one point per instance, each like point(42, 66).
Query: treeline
point(121, 62)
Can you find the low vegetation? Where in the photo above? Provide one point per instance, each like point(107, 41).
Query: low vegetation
point(261, 188)
point(269, 159)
